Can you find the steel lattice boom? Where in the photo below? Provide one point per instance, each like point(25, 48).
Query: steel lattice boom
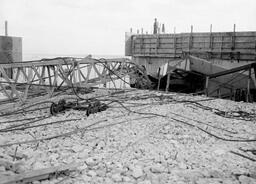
point(47, 76)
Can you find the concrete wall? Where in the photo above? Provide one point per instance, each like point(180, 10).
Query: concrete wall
point(10, 49)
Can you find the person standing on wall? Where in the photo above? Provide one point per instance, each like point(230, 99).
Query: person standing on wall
point(155, 27)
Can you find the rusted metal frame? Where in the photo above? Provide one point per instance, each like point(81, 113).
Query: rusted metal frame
point(13, 87)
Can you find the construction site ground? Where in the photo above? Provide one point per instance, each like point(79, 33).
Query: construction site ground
point(144, 137)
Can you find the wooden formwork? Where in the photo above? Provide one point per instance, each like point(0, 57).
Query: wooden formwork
point(48, 75)
point(218, 45)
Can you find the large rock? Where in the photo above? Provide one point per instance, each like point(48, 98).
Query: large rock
point(157, 168)
point(246, 180)
point(91, 162)
point(117, 177)
point(77, 148)
point(91, 173)
point(145, 182)
point(137, 172)
point(83, 154)
point(38, 165)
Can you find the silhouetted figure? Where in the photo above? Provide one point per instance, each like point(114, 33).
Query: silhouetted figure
point(155, 27)
point(163, 28)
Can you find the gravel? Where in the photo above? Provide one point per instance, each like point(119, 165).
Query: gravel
point(142, 147)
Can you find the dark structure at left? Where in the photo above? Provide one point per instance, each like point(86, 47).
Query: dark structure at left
point(10, 51)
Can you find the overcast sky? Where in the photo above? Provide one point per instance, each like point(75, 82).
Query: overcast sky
point(98, 27)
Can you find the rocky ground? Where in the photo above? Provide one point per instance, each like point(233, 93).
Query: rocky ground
point(143, 137)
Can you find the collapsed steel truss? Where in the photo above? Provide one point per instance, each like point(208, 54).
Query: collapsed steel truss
point(47, 76)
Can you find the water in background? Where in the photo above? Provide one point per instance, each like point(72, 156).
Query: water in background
point(30, 57)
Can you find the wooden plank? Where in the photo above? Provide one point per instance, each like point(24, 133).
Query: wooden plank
point(236, 69)
point(38, 175)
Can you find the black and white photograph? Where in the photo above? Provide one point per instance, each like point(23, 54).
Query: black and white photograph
point(127, 92)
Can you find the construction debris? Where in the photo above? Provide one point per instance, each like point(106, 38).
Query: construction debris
point(142, 137)
point(90, 107)
point(40, 175)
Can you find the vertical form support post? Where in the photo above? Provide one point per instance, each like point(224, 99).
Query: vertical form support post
point(211, 38)
point(186, 62)
point(233, 38)
point(168, 79)
point(159, 79)
point(6, 27)
point(105, 75)
point(174, 44)
point(190, 42)
point(248, 86)
point(206, 85)
point(221, 46)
